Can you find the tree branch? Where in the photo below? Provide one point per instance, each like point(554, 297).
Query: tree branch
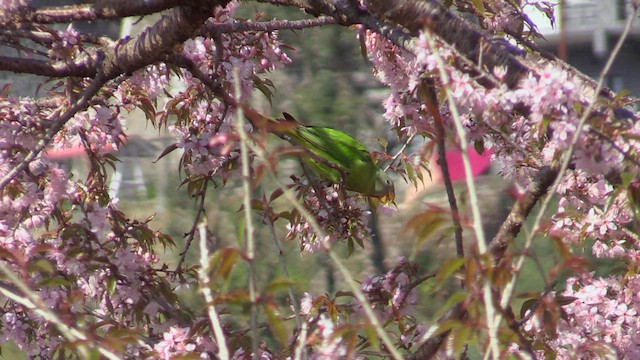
point(521, 210)
point(46, 68)
point(100, 10)
point(430, 98)
point(267, 26)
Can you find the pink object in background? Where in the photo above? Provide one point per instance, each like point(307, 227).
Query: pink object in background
point(479, 163)
point(68, 153)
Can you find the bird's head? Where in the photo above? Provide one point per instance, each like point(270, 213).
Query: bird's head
point(383, 188)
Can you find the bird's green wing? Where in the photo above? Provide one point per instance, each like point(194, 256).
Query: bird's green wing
point(334, 145)
point(346, 152)
point(342, 149)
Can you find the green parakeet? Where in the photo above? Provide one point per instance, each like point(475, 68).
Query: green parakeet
point(332, 146)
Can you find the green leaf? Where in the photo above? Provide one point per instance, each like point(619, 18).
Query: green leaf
point(449, 268)
point(426, 224)
point(372, 335)
point(383, 141)
point(41, 265)
point(263, 86)
point(461, 339)
point(54, 282)
point(228, 258)
point(479, 5)
point(479, 146)
point(627, 178)
point(528, 305)
point(282, 284)
point(350, 247)
point(453, 300)
point(276, 324)
point(411, 174)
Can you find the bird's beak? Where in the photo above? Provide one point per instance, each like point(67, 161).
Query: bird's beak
point(388, 198)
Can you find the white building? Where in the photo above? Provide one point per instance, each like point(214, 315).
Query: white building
point(587, 31)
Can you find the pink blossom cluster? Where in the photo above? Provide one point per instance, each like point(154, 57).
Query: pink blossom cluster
point(554, 99)
point(593, 208)
point(66, 47)
point(338, 214)
point(330, 345)
point(207, 136)
point(37, 192)
point(7, 7)
point(100, 129)
point(40, 189)
point(103, 259)
point(63, 217)
point(98, 266)
point(601, 322)
point(325, 339)
point(181, 342)
point(208, 142)
point(504, 17)
point(144, 85)
point(97, 260)
point(391, 295)
point(394, 67)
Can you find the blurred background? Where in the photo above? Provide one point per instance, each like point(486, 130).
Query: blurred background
point(330, 84)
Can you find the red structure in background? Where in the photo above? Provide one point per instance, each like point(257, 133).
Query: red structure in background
point(69, 153)
point(479, 164)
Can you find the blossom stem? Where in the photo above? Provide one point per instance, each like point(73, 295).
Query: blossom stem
point(246, 202)
point(205, 288)
point(283, 264)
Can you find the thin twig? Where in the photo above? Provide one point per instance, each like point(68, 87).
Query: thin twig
point(283, 263)
point(300, 352)
point(402, 149)
point(246, 200)
point(192, 232)
point(431, 100)
point(205, 289)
